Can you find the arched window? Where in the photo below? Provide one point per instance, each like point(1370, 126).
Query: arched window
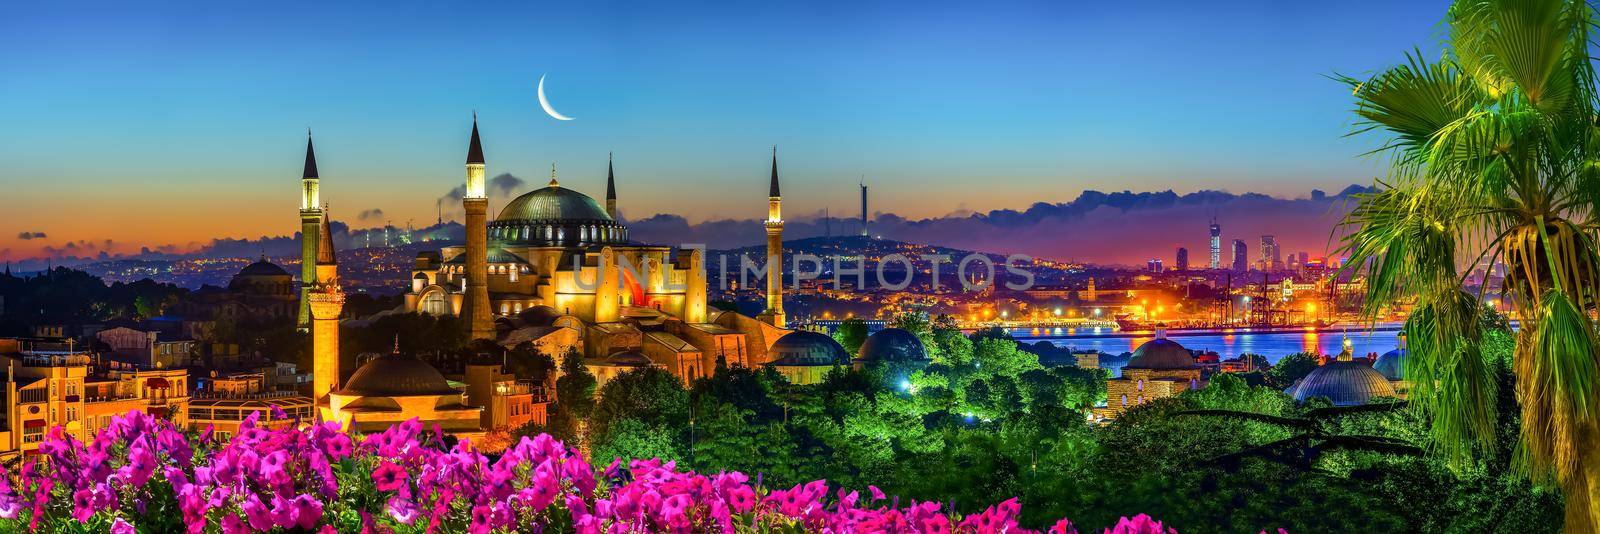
point(1124, 399)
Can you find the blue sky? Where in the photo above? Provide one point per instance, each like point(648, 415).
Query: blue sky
point(172, 123)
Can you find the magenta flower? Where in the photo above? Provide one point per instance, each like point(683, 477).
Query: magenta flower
point(389, 476)
point(118, 526)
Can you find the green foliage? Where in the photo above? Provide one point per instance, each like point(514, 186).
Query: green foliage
point(1028, 437)
point(1291, 368)
point(648, 399)
point(574, 402)
point(1494, 150)
point(851, 334)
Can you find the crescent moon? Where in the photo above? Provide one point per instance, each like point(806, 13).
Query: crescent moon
point(545, 103)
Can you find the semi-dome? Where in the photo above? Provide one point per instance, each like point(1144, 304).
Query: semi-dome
point(893, 345)
point(1161, 353)
point(1392, 364)
point(262, 267)
point(555, 216)
point(805, 348)
point(397, 375)
point(1345, 383)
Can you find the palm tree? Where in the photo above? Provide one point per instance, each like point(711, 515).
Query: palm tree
point(1495, 156)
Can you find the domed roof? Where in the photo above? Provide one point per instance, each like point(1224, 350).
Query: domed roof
point(805, 348)
point(397, 375)
point(1161, 353)
point(626, 359)
point(553, 203)
point(493, 255)
point(1345, 383)
point(539, 315)
point(1392, 364)
point(262, 267)
point(893, 345)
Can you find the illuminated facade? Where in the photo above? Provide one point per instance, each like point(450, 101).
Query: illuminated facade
point(559, 271)
point(50, 384)
point(1159, 368)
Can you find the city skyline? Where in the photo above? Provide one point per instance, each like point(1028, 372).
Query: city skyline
point(201, 105)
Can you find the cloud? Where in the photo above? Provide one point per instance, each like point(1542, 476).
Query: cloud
point(370, 215)
point(25, 236)
point(1119, 227)
point(505, 184)
point(449, 204)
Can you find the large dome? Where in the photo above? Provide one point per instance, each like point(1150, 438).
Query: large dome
point(397, 375)
point(555, 216)
point(893, 345)
point(551, 204)
point(263, 268)
point(804, 348)
point(1161, 353)
point(1344, 383)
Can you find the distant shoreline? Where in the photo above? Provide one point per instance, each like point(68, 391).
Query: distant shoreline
point(1049, 333)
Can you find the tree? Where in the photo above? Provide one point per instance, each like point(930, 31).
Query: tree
point(851, 334)
point(652, 398)
point(574, 399)
point(1291, 368)
point(1495, 153)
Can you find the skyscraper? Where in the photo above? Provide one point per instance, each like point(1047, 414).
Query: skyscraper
point(863, 209)
point(1182, 259)
point(1270, 257)
point(1216, 244)
point(1241, 257)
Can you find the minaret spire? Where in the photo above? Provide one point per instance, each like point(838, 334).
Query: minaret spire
point(325, 252)
point(611, 187)
point(311, 158)
point(475, 150)
point(773, 192)
point(553, 182)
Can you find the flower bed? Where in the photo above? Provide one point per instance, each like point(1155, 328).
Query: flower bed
point(143, 475)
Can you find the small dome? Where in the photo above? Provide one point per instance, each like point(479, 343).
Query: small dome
point(262, 267)
point(1161, 353)
point(554, 203)
point(893, 345)
point(539, 315)
point(1344, 383)
point(1392, 364)
point(805, 348)
point(397, 375)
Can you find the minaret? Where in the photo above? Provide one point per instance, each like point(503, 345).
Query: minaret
point(310, 221)
point(476, 203)
point(774, 223)
point(611, 189)
point(327, 303)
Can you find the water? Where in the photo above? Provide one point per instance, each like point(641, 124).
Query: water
point(1274, 346)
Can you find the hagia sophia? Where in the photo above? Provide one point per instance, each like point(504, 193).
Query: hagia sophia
point(557, 270)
